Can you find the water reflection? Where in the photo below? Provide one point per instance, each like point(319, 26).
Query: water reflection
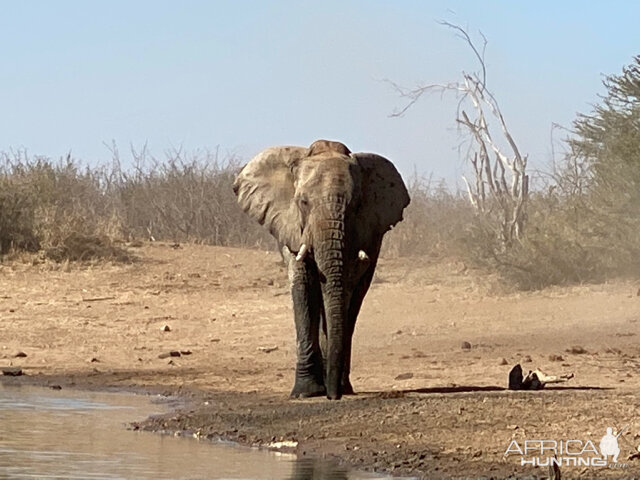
point(61, 434)
point(309, 469)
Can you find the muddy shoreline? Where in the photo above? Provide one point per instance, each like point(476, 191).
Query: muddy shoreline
point(395, 433)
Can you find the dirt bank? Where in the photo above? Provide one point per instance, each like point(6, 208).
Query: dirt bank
point(431, 407)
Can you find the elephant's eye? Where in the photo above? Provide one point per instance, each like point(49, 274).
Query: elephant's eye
point(303, 201)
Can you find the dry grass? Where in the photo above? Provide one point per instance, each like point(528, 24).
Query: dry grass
point(70, 212)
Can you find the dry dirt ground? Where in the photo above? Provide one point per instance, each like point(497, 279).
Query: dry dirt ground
point(426, 406)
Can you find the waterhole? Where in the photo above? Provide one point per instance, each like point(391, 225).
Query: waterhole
point(61, 434)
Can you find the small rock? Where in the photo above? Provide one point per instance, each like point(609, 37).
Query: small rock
point(527, 359)
point(185, 352)
point(556, 358)
point(171, 362)
point(576, 350)
point(165, 328)
point(268, 349)
point(504, 362)
point(20, 355)
point(465, 346)
point(172, 353)
point(55, 387)
point(404, 376)
point(12, 371)
point(94, 360)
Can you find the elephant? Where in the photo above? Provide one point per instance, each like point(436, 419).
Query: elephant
point(328, 209)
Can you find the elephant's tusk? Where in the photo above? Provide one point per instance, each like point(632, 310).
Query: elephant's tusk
point(302, 252)
point(362, 255)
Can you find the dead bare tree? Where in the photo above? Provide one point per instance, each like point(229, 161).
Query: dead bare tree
point(500, 189)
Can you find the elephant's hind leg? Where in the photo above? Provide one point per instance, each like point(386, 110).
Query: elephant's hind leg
point(307, 305)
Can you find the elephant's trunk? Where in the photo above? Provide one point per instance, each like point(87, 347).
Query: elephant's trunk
point(329, 254)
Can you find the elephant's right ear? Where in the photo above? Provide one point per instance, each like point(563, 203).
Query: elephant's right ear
point(265, 190)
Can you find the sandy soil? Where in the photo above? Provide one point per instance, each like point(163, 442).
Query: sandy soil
point(426, 405)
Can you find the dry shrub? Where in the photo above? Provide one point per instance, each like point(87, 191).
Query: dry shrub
point(569, 240)
point(78, 247)
point(186, 197)
point(75, 212)
point(16, 217)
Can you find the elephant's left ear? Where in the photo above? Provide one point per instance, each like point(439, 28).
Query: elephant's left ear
point(383, 194)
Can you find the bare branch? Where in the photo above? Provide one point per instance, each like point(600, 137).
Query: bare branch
point(503, 173)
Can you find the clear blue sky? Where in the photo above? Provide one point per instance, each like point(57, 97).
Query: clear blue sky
point(248, 74)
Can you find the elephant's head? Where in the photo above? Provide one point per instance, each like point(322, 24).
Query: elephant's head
point(329, 205)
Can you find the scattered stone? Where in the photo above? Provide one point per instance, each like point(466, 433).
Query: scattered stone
point(527, 359)
point(55, 387)
point(185, 352)
point(12, 371)
point(465, 346)
point(576, 350)
point(12, 310)
point(404, 376)
point(268, 349)
point(94, 360)
point(20, 355)
point(165, 328)
point(504, 362)
point(556, 358)
point(171, 362)
point(214, 340)
point(172, 353)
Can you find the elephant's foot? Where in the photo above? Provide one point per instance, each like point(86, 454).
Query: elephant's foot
point(306, 387)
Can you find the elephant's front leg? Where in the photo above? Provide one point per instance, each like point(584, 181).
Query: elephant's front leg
point(357, 297)
point(307, 305)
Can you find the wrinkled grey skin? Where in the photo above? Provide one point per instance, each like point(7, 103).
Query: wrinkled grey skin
point(339, 205)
